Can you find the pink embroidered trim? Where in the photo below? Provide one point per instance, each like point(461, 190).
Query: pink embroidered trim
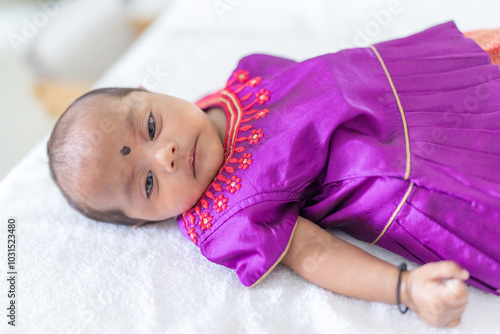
point(235, 157)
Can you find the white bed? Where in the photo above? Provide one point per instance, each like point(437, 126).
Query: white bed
point(79, 276)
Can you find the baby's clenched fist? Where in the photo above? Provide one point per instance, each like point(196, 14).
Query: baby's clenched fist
point(436, 292)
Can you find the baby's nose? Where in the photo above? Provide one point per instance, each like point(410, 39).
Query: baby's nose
point(165, 157)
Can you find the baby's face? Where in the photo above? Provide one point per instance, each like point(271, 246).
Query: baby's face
point(157, 157)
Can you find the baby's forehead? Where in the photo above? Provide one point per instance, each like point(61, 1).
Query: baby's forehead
point(107, 120)
point(108, 112)
point(118, 105)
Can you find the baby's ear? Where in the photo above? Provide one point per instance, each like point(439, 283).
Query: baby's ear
point(142, 87)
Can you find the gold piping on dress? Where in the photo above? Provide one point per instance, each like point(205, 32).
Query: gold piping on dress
point(281, 257)
point(407, 140)
point(395, 213)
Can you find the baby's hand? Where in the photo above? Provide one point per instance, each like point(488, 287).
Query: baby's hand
point(436, 292)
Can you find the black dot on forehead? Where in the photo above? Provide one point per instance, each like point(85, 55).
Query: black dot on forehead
point(125, 150)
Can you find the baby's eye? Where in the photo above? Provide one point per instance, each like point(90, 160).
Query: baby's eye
point(149, 183)
point(151, 127)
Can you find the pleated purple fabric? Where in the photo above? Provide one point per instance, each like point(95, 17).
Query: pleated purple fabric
point(397, 144)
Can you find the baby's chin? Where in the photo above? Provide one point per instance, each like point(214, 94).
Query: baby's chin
point(197, 194)
point(206, 177)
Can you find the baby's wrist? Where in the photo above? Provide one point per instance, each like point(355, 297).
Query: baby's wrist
point(405, 290)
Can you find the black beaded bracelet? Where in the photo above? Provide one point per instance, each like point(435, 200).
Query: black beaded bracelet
point(402, 308)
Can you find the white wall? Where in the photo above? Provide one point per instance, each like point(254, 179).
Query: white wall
point(63, 50)
point(23, 121)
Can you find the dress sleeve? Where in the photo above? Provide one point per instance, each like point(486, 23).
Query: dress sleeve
point(263, 65)
point(256, 66)
point(254, 240)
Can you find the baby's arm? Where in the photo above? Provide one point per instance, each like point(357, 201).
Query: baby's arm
point(341, 267)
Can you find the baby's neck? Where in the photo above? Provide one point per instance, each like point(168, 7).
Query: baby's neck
point(218, 118)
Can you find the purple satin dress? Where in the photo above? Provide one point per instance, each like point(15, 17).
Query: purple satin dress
point(396, 144)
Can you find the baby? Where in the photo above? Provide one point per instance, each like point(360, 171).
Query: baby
point(255, 171)
point(106, 145)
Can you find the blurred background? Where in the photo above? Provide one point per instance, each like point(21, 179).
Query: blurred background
point(52, 51)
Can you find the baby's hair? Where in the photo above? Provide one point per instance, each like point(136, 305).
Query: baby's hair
point(64, 150)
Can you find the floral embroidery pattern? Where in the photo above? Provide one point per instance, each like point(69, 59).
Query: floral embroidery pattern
point(207, 219)
point(235, 157)
point(255, 136)
point(220, 203)
point(262, 113)
point(241, 76)
point(245, 161)
point(254, 82)
point(233, 184)
point(263, 96)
